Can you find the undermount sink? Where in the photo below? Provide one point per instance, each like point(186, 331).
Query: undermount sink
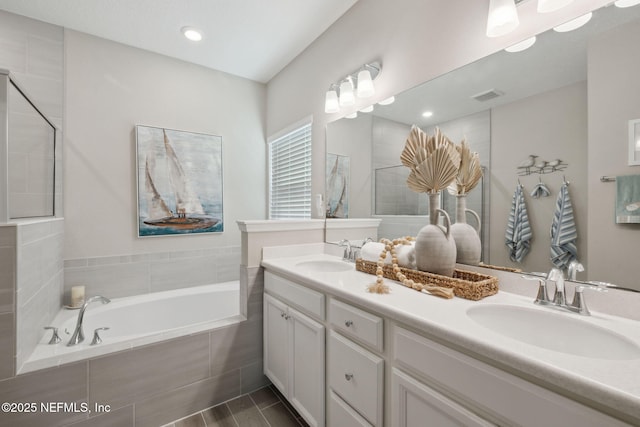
point(554, 331)
point(325, 266)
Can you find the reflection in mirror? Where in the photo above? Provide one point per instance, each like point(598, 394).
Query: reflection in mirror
point(507, 106)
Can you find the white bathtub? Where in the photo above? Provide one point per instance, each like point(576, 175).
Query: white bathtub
point(139, 320)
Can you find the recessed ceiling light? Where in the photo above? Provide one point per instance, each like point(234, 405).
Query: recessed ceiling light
point(192, 34)
point(573, 24)
point(523, 45)
point(387, 101)
point(427, 114)
point(352, 115)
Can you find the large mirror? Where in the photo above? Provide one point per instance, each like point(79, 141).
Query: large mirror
point(508, 106)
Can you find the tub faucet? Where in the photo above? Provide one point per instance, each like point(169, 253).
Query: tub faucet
point(78, 334)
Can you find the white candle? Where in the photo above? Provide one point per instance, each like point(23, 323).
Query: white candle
point(77, 296)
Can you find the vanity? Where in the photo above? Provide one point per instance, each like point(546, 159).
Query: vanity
point(345, 357)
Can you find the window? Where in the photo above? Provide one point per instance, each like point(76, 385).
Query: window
point(290, 173)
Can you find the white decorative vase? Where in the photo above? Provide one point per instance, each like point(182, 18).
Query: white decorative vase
point(435, 247)
point(467, 238)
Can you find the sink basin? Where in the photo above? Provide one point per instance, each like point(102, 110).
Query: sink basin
point(325, 266)
point(554, 331)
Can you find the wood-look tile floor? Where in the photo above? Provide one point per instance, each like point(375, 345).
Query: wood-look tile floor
point(265, 407)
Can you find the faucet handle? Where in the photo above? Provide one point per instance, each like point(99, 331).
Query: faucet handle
point(96, 336)
point(542, 298)
point(55, 338)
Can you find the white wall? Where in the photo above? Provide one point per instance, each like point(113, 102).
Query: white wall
point(613, 100)
point(415, 40)
point(112, 87)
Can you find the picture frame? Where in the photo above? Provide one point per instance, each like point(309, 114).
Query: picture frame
point(179, 182)
point(634, 142)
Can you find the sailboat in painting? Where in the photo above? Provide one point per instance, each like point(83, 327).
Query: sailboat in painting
point(189, 213)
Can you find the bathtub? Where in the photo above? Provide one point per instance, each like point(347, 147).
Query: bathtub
point(139, 320)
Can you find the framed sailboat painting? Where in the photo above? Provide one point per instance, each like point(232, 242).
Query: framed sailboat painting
point(179, 178)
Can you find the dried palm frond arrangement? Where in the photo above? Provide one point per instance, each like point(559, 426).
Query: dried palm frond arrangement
point(434, 161)
point(469, 173)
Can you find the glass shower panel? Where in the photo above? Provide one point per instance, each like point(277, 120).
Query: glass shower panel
point(31, 150)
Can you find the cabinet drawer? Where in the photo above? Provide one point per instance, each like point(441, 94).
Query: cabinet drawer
point(357, 323)
point(511, 399)
point(357, 376)
point(343, 415)
point(307, 300)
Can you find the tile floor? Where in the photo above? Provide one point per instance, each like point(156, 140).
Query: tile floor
point(263, 408)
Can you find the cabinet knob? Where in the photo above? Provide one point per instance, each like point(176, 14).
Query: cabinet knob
point(348, 323)
point(348, 377)
point(283, 314)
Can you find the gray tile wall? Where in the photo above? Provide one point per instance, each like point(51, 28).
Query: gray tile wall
point(39, 281)
point(121, 276)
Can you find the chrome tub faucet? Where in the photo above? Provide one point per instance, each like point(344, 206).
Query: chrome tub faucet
point(78, 334)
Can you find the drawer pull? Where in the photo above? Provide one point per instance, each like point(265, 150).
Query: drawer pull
point(348, 377)
point(348, 323)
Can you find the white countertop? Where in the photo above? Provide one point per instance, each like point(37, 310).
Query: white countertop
point(612, 386)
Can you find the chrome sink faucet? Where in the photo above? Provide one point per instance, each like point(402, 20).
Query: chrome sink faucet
point(78, 334)
point(574, 267)
point(348, 250)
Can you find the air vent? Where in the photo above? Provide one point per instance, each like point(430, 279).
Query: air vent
point(487, 95)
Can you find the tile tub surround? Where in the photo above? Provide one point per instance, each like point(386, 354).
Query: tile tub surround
point(127, 275)
point(609, 386)
point(265, 407)
point(147, 386)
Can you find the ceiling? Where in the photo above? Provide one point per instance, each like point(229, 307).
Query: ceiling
point(254, 39)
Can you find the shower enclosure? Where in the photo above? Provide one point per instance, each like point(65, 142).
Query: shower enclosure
point(27, 155)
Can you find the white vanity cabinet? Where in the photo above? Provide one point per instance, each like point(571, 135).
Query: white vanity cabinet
point(355, 374)
point(294, 347)
point(503, 397)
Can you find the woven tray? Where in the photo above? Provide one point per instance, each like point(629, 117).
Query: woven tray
point(500, 268)
point(465, 284)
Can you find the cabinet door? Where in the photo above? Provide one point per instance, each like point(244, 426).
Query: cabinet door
point(417, 405)
point(307, 393)
point(276, 348)
point(342, 415)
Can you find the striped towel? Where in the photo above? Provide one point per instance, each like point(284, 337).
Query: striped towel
point(518, 236)
point(563, 231)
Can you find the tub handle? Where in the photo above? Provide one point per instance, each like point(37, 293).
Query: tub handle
point(55, 338)
point(96, 336)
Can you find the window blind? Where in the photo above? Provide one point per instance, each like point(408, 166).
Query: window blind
point(290, 175)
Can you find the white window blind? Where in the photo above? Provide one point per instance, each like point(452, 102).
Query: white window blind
point(290, 175)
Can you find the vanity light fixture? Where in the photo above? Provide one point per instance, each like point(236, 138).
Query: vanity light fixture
point(523, 45)
point(387, 101)
point(574, 23)
point(503, 17)
point(346, 97)
point(546, 6)
point(331, 103)
point(626, 3)
point(192, 33)
point(357, 84)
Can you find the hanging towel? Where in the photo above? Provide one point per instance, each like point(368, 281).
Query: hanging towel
point(518, 236)
point(628, 199)
point(563, 231)
point(540, 190)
